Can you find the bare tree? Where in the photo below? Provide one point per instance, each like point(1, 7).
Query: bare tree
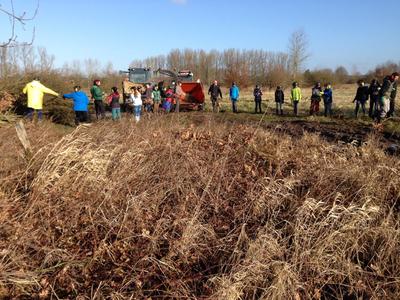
point(28, 58)
point(46, 61)
point(91, 67)
point(16, 18)
point(298, 52)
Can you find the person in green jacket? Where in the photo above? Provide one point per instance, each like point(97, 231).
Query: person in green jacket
point(156, 95)
point(295, 97)
point(97, 96)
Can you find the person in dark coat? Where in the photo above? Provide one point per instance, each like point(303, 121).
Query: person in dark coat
point(373, 92)
point(279, 100)
point(215, 91)
point(361, 98)
point(392, 100)
point(385, 95)
point(257, 98)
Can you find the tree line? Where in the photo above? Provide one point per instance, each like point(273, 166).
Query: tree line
point(251, 67)
point(246, 67)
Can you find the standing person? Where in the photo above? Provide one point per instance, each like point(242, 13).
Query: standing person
point(258, 98)
point(97, 96)
point(393, 95)
point(113, 101)
point(316, 94)
point(81, 102)
point(36, 91)
point(234, 95)
point(148, 98)
point(169, 95)
point(136, 100)
point(180, 95)
point(385, 94)
point(328, 100)
point(361, 97)
point(373, 92)
point(156, 95)
point(279, 99)
point(215, 91)
point(295, 97)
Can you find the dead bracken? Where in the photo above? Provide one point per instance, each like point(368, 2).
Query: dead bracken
point(172, 209)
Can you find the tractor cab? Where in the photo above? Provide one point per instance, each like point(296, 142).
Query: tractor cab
point(139, 75)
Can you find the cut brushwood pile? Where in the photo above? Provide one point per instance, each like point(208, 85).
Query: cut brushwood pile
point(7, 101)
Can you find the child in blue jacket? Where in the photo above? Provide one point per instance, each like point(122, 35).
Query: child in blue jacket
point(81, 102)
point(234, 95)
point(328, 100)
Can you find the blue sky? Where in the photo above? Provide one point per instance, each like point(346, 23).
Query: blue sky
point(355, 33)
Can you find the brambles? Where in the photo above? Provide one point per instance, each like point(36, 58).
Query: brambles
point(172, 209)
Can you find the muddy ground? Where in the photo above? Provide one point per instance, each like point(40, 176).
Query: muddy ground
point(336, 130)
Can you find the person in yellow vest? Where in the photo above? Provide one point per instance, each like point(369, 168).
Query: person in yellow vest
point(35, 91)
point(295, 97)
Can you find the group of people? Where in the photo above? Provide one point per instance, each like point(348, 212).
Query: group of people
point(381, 97)
point(295, 96)
point(152, 99)
point(215, 94)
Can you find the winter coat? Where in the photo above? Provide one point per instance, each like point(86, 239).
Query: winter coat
point(113, 100)
point(257, 94)
point(362, 94)
point(136, 100)
point(279, 96)
point(97, 93)
point(234, 93)
point(328, 96)
point(373, 91)
point(295, 94)
point(156, 96)
point(393, 94)
point(316, 94)
point(169, 94)
point(81, 100)
point(215, 91)
point(387, 88)
point(36, 91)
point(148, 94)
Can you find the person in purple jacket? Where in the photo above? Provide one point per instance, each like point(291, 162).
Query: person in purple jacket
point(81, 102)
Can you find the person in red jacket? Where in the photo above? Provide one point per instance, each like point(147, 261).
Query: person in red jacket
point(169, 98)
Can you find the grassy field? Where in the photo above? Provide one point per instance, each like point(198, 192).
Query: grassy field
point(201, 206)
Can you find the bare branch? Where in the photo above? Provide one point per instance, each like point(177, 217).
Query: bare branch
point(15, 19)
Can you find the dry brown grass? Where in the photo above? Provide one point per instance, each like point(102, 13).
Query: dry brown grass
point(198, 209)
